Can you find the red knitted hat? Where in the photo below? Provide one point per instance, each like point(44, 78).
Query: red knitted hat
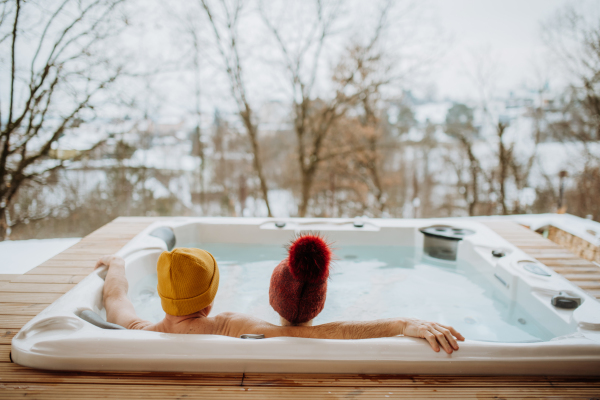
point(299, 283)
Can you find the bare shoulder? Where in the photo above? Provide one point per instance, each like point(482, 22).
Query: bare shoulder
point(224, 324)
point(239, 318)
point(236, 324)
point(140, 324)
point(197, 326)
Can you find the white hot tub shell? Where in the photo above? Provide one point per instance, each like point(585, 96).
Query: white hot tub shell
point(59, 339)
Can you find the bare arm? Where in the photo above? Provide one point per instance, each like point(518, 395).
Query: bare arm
point(119, 309)
point(233, 324)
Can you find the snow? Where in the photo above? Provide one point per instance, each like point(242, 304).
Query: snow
point(434, 112)
point(556, 156)
point(157, 188)
point(165, 158)
point(20, 256)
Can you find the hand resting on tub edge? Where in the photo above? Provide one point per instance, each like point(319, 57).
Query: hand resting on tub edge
point(188, 279)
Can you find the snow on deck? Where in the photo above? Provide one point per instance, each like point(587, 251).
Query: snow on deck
point(20, 256)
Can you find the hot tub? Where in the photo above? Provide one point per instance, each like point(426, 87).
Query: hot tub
point(499, 298)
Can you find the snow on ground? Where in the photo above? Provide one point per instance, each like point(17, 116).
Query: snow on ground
point(20, 256)
point(174, 158)
point(434, 112)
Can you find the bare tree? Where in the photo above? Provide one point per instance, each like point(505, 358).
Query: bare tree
point(370, 75)
point(52, 88)
point(357, 78)
point(227, 42)
point(574, 38)
point(459, 124)
point(189, 25)
point(312, 117)
point(513, 165)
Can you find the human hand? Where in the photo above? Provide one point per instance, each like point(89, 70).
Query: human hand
point(436, 334)
point(107, 260)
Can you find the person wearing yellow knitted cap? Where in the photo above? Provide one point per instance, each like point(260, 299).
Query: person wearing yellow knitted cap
point(188, 280)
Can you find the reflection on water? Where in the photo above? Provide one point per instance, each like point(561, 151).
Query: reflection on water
point(366, 282)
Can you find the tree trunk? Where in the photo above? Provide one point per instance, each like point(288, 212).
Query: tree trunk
point(258, 168)
point(503, 158)
point(475, 184)
point(474, 170)
point(374, 170)
point(256, 162)
point(306, 185)
point(3, 225)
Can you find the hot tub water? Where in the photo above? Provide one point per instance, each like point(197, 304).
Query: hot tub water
point(366, 282)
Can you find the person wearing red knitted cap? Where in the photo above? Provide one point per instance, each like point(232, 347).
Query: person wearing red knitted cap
point(299, 283)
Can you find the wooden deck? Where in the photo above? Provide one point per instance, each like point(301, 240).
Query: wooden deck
point(23, 296)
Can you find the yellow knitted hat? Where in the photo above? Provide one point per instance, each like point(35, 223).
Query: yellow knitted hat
point(188, 280)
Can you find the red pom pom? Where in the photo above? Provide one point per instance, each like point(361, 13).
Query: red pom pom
point(309, 256)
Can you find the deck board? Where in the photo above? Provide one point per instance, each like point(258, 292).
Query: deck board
point(19, 287)
point(191, 391)
point(23, 296)
point(6, 335)
point(48, 278)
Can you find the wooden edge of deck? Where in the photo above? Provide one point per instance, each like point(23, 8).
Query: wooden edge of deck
point(24, 296)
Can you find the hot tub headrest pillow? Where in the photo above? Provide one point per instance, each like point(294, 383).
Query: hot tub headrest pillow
point(188, 280)
point(299, 283)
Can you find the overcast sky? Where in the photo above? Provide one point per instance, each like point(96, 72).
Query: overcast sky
point(509, 28)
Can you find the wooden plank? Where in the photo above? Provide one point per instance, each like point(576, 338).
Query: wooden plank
point(28, 297)
point(87, 258)
point(588, 285)
point(582, 277)
point(49, 279)
point(5, 353)
point(6, 335)
point(575, 271)
point(87, 391)
point(8, 277)
point(32, 309)
point(14, 373)
point(37, 287)
point(570, 263)
point(82, 271)
point(554, 255)
point(366, 380)
point(14, 321)
point(69, 263)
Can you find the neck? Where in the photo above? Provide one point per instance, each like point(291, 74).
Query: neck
point(171, 320)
